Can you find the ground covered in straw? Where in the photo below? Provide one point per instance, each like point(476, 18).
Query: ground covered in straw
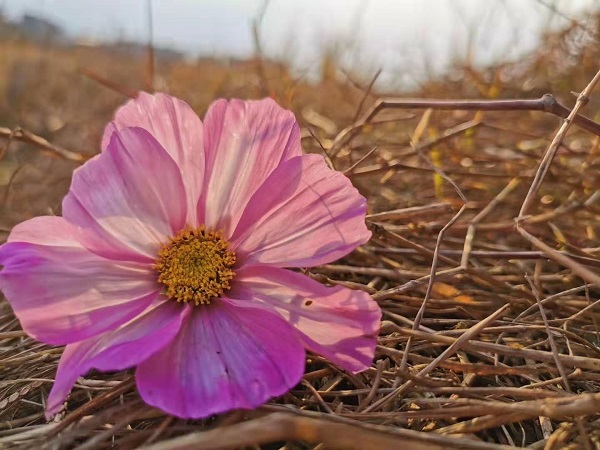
point(491, 331)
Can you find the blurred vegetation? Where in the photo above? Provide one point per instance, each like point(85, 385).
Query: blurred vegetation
point(414, 161)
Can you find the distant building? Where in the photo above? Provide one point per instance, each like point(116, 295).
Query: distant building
point(32, 28)
point(41, 30)
point(8, 29)
point(136, 49)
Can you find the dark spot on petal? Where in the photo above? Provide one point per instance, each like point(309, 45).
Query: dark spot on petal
point(308, 303)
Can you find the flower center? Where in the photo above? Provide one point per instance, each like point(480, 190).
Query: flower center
point(195, 265)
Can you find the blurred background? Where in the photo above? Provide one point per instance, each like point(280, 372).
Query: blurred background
point(66, 65)
point(407, 39)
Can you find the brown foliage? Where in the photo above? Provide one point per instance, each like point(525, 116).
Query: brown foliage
point(490, 332)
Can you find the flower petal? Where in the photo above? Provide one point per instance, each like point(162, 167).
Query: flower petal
point(63, 293)
point(305, 214)
point(176, 127)
point(45, 230)
point(244, 142)
point(338, 323)
point(127, 200)
point(223, 358)
point(118, 349)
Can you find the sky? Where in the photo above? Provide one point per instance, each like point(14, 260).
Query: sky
point(402, 37)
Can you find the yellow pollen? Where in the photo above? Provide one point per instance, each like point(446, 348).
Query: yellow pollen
point(195, 265)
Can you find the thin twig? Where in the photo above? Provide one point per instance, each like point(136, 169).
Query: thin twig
point(333, 432)
point(572, 117)
point(546, 103)
point(19, 134)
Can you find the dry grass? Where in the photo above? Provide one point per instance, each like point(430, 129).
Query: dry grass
point(489, 337)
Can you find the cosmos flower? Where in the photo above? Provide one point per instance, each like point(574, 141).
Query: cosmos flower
point(173, 255)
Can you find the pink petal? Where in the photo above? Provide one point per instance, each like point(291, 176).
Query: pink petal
point(244, 142)
point(335, 322)
point(45, 230)
point(305, 214)
point(223, 358)
point(177, 128)
point(119, 349)
point(127, 200)
point(63, 293)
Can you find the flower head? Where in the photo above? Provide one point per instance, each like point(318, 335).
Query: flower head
point(173, 256)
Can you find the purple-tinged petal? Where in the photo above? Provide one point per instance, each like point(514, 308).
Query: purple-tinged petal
point(338, 323)
point(129, 199)
point(224, 358)
point(305, 214)
point(119, 349)
point(176, 127)
point(63, 293)
point(45, 230)
point(244, 142)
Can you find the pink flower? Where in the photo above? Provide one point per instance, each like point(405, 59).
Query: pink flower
point(172, 256)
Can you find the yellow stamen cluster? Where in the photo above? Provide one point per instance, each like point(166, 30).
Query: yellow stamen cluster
point(195, 265)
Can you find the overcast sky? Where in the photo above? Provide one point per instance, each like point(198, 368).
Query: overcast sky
point(396, 35)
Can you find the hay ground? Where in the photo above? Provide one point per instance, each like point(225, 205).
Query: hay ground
point(500, 347)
